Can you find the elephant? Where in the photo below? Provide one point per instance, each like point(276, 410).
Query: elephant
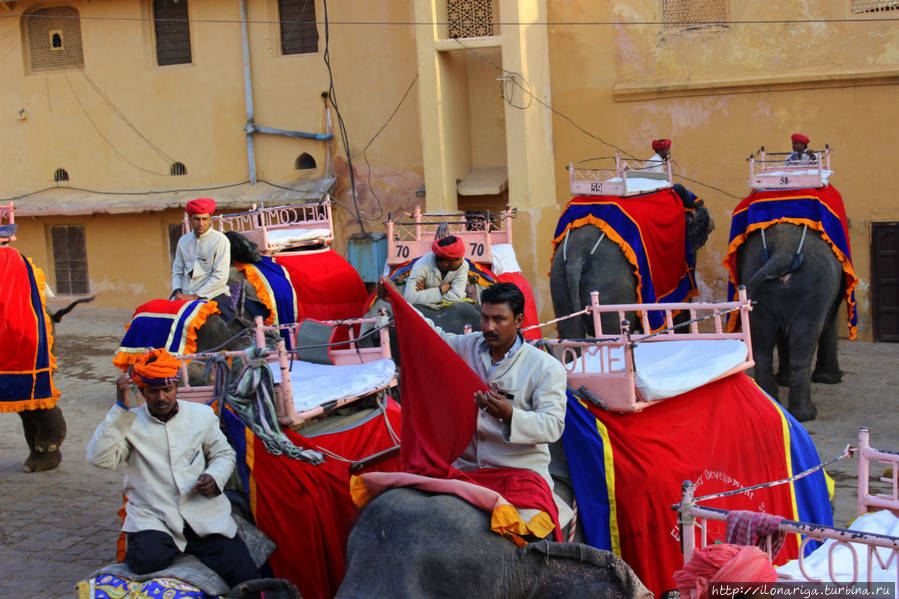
point(583, 266)
point(797, 298)
point(409, 543)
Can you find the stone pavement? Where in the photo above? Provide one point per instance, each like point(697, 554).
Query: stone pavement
point(57, 527)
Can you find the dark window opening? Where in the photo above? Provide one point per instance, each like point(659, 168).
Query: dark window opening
point(70, 260)
point(56, 41)
point(172, 24)
point(178, 169)
point(299, 32)
point(174, 236)
point(60, 175)
point(304, 162)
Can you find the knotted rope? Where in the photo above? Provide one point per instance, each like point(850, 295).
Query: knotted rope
point(249, 395)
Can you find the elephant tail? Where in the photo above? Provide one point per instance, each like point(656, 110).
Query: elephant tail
point(779, 264)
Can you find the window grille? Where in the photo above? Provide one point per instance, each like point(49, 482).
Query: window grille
point(305, 162)
point(683, 14)
point(178, 169)
point(54, 39)
point(70, 260)
point(299, 32)
point(469, 18)
point(863, 6)
point(60, 175)
point(172, 25)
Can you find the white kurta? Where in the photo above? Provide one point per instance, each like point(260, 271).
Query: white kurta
point(656, 164)
point(202, 264)
point(162, 461)
point(425, 269)
point(537, 382)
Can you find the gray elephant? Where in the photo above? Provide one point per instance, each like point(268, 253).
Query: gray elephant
point(408, 543)
point(589, 261)
point(797, 295)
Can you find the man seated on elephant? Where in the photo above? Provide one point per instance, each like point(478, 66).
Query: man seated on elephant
point(203, 260)
point(439, 277)
point(659, 161)
point(524, 409)
point(800, 153)
point(177, 461)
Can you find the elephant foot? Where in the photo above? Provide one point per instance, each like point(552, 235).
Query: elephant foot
point(51, 429)
point(39, 462)
point(783, 379)
point(803, 412)
point(828, 377)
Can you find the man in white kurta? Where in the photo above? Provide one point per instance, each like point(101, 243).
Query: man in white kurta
point(439, 277)
point(177, 461)
point(659, 161)
point(203, 260)
point(524, 409)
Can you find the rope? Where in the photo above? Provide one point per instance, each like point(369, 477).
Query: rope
point(249, 395)
point(572, 528)
point(847, 453)
point(555, 320)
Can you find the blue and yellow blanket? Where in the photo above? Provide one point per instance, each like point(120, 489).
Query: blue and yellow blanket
point(163, 323)
point(26, 359)
point(651, 231)
point(820, 208)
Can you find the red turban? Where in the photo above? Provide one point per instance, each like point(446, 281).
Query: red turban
point(448, 248)
point(201, 206)
point(800, 138)
point(157, 368)
point(661, 144)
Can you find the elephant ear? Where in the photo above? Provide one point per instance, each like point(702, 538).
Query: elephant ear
point(699, 226)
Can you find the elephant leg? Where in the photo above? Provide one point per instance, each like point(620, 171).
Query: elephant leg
point(803, 341)
point(764, 337)
point(827, 368)
point(783, 360)
point(51, 429)
point(37, 461)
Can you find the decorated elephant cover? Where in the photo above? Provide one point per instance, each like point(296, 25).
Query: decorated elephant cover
point(820, 208)
point(627, 470)
point(274, 287)
point(26, 359)
point(651, 230)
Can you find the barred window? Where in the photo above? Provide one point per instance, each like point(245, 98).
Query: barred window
point(54, 39)
point(684, 14)
point(178, 169)
point(60, 175)
point(70, 260)
point(864, 6)
point(299, 32)
point(470, 18)
point(172, 24)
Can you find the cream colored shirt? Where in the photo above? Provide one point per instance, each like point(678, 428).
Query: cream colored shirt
point(425, 269)
point(202, 264)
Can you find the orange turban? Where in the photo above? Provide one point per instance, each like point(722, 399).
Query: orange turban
point(800, 138)
point(200, 206)
point(448, 248)
point(723, 562)
point(661, 144)
point(157, 368)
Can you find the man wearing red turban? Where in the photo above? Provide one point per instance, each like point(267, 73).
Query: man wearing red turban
point(439, 277)
point(800, 153)
point(177, 461)
point(203, 260)
point(658, 163)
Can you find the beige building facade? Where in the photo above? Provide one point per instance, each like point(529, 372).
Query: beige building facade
point(455, 105)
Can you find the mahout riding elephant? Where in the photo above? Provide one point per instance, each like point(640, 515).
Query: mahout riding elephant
point(409, 543)
point(797, 297)
point(593, 262)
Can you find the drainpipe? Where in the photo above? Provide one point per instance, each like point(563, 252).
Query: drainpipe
point(248, 85)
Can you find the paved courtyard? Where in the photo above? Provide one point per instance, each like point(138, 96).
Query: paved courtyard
point(57, 527)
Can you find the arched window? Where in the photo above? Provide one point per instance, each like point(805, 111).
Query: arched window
point(54, 39)
point(60, 175)
point(304, 162)
point(178, 169)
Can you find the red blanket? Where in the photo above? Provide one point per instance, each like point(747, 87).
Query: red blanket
point(327, 286)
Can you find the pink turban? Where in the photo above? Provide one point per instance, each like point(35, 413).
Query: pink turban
point(800, 138)
point(723, 563)
point(448, 248)
point(661, 144)
point(201, 206)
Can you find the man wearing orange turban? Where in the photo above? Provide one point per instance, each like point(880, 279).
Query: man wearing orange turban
point(177, 461)
point(439, 277)
point(800, 153)
point(203, 260)
point(658, 163)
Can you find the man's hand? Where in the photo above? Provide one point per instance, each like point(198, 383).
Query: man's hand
point(383, 284)
point(185, 296)
point(206, 486)
point(494, 405)
point(444, 288)
point(420, 285)
point(122, 384)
